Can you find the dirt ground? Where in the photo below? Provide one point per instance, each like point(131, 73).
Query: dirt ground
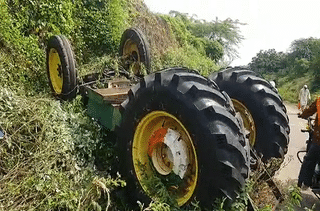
point(289, 171)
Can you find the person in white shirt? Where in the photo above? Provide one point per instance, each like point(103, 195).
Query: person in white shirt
point(304, 97)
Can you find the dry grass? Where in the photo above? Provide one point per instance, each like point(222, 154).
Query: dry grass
point(262, 193)
point(155, 28)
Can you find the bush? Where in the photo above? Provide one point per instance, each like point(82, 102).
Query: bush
point(101, 26)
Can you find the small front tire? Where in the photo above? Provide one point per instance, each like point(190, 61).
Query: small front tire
point(135, 50)
point(61, 68)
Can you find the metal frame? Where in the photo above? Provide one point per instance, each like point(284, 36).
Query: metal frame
point(103, 103)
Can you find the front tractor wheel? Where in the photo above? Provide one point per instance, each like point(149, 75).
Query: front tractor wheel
point(135, 52)
point(61, 68)
point(179, 141)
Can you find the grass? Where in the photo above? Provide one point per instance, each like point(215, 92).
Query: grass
point(47, 155)
point(290, 87)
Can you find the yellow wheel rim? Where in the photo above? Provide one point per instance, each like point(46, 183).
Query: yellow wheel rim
point(131, 54)
point(55, 71)
point(162, 147)
point(247, 119)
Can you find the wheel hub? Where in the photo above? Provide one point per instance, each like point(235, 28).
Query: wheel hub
point(247, 119)
point(131, 54)
point(162, 148)
point(168, 152)
point(55, 71)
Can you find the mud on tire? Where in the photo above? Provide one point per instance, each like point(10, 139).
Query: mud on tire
point(265, 105)
point(178, 101)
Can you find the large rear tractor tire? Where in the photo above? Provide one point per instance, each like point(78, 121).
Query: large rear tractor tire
point(61, 68)
point(179, 140)
point(134, 51)
point(261, 108)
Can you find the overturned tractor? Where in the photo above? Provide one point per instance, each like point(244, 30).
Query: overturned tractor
point(180, 136)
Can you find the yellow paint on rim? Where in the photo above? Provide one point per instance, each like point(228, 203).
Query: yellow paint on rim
point(142, 162)
point(131, 52)
point(55, 71)
point(248, 121)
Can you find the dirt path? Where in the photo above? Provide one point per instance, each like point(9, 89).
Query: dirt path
point(291, 165)
point(290, 168)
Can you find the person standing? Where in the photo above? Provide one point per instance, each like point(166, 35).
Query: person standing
point(304, 96)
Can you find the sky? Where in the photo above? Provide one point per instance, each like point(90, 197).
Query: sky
point(270, 24)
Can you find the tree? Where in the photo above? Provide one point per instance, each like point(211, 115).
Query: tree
point(226, 32)
point(315, 66)
point(268, 61)
point(305, 55)
point(306, 48)
point(300, 66)
point(214, 50)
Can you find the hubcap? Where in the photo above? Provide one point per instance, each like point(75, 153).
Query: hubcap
point(163, 148)
point(55, 71)
point(131, 54)
point(247, 119)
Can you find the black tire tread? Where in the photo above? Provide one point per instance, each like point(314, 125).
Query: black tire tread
point(219, 146)
point(265, 105)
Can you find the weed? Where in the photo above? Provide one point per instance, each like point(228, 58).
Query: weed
point(47, 155)
point(294, 197)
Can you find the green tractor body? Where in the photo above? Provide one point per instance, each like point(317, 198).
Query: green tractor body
point(103, 104)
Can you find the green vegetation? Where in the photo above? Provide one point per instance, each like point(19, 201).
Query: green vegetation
point(47, 155)
point(293, 69)
point(216, 39)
